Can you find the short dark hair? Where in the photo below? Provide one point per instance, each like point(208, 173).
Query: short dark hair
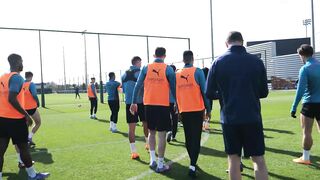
point(187, 56)
point(173, 67)
point(28, 74)
point(111, 75)
point(305, 50)
point(135, 59)
point(13, 59)
point(234, 36)
point(160, 51)
point(93, 78)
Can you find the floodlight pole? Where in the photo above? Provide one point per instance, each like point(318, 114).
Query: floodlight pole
point(312, 18)
point(147, 48)
point(64, 71)
point(85, 58)
point(101, 83)
point(212, 47)
point(43, 103)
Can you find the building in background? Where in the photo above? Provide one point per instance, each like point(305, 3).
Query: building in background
point(280, 59)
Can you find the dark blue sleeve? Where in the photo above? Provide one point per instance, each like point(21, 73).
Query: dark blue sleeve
point(93, 88)
point(200, 79)
point(171, 76)
point(211, 89)
point(139, 84)
point(123, 84)
point(264, 91)
point(33, 90)
point(15, 83)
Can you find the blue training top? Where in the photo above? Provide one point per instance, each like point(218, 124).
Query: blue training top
point(112, 90)
point(309, 84)
point(238, 79)
point(15, 83)
point(169, 74)
point(128, 85)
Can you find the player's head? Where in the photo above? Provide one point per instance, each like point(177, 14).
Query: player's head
point(93, 80)
point(28, 75)
point(136, 61)
point(305, 51)
point(160, 53)
point(234, 38)
point(112, 76)
point(173, 67)
point(188, 57)
point(15, 62)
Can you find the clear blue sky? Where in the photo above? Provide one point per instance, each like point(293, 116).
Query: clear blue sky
point(256, 19)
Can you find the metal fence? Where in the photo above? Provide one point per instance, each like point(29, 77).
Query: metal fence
point(65, 59)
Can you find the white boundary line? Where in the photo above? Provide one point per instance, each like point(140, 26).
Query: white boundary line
point(182, 156)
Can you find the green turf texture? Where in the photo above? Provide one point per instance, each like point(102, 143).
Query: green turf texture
point(72, 146)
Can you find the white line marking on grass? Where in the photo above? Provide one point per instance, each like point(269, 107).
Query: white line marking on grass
point(182, 156)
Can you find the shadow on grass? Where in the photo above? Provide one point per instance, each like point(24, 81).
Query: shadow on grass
point(103, 120)
point(275, 176)
point(212, 152)
point(278, 131)
point(14, 176)
point(314, 159)
point(181, 172)
point(53, 110)
point(126, 135)
point(41, 155)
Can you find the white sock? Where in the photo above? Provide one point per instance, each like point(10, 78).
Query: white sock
point(147, 140)
point(306, 155)
point(30, 135)
point(19, 158)
point(160, 162)
point(0, 175)
point(31, 172)
point(192, 168)
point(133, 148)
point(111, 124)
point(152, 156)
point(114, 126)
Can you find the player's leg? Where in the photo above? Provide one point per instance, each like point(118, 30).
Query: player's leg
point(260, 167)
point(95, 106)
point(163, 124)
point(307, 141)
point(142, 117)
point(37, 123)
point(4, 141)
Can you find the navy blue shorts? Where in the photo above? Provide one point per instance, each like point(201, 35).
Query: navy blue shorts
point(135, 118)
point(15, 129)
point(31, 111)
point(248, 137)
point(158, 117)
point(311, 110)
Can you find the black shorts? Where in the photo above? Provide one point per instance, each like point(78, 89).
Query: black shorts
point(135, 118)
point(31, 111)
point(248, 137)
point(158, 117)
point(16, 129)
point(311, 110)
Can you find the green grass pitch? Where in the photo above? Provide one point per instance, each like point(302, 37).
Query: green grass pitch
point(72, 146)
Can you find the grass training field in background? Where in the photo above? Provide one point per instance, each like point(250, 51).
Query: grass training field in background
point(71, 146)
